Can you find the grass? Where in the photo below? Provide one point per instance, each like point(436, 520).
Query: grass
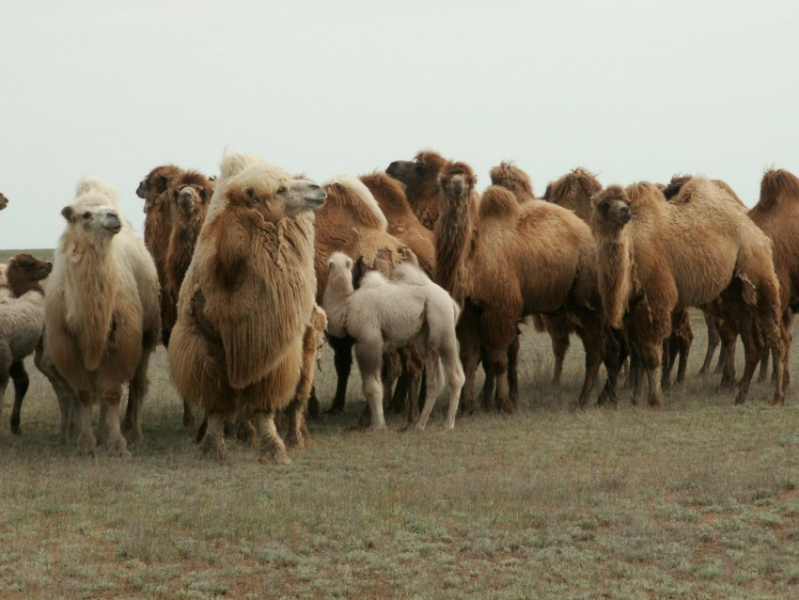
point(698, 500)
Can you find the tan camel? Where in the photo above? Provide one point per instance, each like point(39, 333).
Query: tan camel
point(420, 177)
point(655, 257)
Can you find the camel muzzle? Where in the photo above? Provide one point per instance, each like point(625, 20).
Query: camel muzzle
point(624, 215)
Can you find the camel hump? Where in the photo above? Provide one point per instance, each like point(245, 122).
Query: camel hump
point(353, 192)
point(778, 185)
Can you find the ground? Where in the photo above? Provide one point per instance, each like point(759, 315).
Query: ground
point(698, 500)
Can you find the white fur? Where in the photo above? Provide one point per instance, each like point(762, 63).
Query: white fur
point(385, 314)
point(360, 189)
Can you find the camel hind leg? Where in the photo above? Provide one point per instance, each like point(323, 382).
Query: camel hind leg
point(435, 381)
point(114, 441)
point(272, 448)
point(591, 337)
point(713, 340)
point(369, 356)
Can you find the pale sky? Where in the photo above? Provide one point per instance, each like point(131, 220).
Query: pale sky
point(631, 89)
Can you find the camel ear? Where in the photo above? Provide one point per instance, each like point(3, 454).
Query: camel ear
point(68, 213)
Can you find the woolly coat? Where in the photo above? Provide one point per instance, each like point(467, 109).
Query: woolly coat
point(247, 297)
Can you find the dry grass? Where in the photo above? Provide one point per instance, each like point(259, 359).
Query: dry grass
point(698, 500)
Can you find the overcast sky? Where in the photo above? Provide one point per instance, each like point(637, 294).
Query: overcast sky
point(631, 89)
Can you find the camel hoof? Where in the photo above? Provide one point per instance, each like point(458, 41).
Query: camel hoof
point(334, 410)
point(778, 403)
point(15, 429)
point(280, 459)
point(295, 443)
point(212, 451)
point(188, 420)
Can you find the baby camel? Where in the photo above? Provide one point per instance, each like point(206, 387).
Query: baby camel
point(385, 314)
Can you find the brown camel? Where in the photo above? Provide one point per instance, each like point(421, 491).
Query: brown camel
point(777, 215)
point(514, 179)
point(154, 190)
point(420, 177)
point(503, 261)
point(3, 201)
point(189, 194)
point(655, 257)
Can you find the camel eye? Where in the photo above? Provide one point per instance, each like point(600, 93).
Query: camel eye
point(604, 206)
point(86, 216)
point(282, 189)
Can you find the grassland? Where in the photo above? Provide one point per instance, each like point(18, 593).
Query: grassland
point(698, 500)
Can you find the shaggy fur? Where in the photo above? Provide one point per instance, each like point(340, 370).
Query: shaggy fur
point(655, 257)
point(102, 313)
point(505, 261)
point(246, 301)
point(420, 177)
point(387, 314)
point(514, 179)
point(402, 222)
point(154, 190)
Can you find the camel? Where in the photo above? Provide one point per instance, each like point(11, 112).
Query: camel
point(3, 202)
point(389, 313)
point(351, 222)
point(777, 215)
point(420, 177)
point(246, 301)
point(503, 261)
point(102, 316)
point(188, 195)
point(154, 190)
point(656, 257)
point(21, 325)
point(574, 191)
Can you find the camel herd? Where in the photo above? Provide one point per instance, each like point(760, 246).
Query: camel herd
point(244, 276)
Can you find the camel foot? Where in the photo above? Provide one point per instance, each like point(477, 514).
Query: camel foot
point(136, 438)
point(15, 428)
point(295, 442)
point(188, 420)
point(213, 449)
point(86, 445)
point(778, 403)
point(118, 447)
point(335, 409)
point(270, 456)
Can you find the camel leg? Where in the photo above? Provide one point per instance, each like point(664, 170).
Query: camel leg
point(369, 362)
point(86, 442)
point(68, 403)
point(560, 345)
point(513, 369)
point(752, 355)
point(272, 449)
point(21, 382)
point(213, 442)
point(713, 340)
point(342, 360)
point(614, 356)
point(414, 390)
point(435, 381)
point(682, 366)
point(137, 388)
point(453, 373)
point(652, 360)
point(591, 337)
point(729, 336)
point(668, 352)
point(489, 391)
point(468, 333)
point(390, 372)
point(498, 362)
point(114, 440)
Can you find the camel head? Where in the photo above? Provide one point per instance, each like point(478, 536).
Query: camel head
point(28, 267)
point(457, 181)
point(272, 192)
point(156, 183)
point(414, 173)
point(92, 224)
point(3, 201)
point(339, 263)
point(611, 209)
point(191, 200)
